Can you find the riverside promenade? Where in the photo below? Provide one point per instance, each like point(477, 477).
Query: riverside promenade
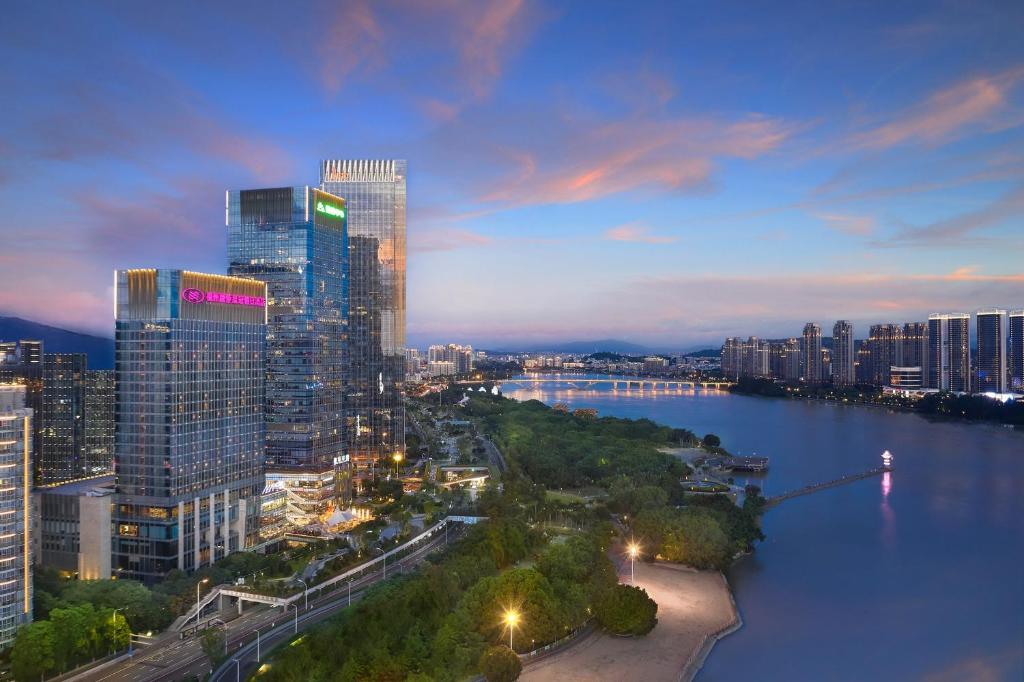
point(693, 607)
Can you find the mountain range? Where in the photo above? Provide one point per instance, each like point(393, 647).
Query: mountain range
point(56, 340)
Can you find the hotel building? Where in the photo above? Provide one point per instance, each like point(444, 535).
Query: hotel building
point(375, 195)
point(293, 239)
point(189, 433)
point(16, 526)
point(949, 352)
point(991, 366)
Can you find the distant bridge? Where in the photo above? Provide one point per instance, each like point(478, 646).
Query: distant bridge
point(627, 384)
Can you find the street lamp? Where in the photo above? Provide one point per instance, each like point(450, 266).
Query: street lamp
point(305, 594)
point(634, 552)
point(511, 619)
point(201, 582)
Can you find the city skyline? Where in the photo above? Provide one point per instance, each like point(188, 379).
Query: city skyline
point(662, 194)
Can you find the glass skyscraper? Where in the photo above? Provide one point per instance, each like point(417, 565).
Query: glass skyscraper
point(991, 360)
point(293, 239)
point(949, 352)
point(1015, 349)
point(375, 194)
point(189, 433)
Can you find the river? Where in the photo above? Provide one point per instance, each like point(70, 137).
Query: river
point(917, 575)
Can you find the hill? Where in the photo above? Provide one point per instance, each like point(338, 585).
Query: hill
point(57, 340)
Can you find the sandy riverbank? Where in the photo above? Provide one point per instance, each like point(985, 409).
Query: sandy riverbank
point(692, 607)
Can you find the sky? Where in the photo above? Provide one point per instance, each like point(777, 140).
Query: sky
point(665, 173)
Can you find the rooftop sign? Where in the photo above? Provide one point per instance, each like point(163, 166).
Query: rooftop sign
point(329, 209)
point(199, 296)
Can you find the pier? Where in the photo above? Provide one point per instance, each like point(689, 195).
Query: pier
point(807, 490)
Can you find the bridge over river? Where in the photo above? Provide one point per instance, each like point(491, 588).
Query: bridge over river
point(616, 383)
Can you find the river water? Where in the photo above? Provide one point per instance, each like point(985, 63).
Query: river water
point(917, 575)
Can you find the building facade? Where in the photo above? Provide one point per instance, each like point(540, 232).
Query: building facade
point(810, 354)
point(61, 457)
point(991, 363)
point(375, 194)
point(99, 421)
point(189, 436)
point(915, 344)
point(843, 360)
point(21, 362)
point(16, 525)
point(73, 527)
point(885, 349)
point(1015, 350)
point(949, 352)
point(294, 240)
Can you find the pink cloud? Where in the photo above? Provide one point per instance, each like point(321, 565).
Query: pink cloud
point(633, 232)
point(355, 41)
point(450, 239)
point(859, 226)
point(947, 113)
point(961, 228)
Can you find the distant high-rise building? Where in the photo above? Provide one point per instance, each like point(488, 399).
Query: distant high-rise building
point(862, 369)
point(949, 352)
point(732, 359)
point(1015, 350)
point(915, 344)
point(99, 421)
point(62, 454)
point(843, 360)
point(810, 350)
point(16, 525)
point(190, 374)
point(21, 362)
point(885, 345)
point(991, 364)
point(375, 194)
point(294, 240)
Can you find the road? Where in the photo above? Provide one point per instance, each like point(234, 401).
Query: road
point(172, 659)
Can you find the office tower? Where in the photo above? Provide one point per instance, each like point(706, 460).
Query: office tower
point(991, 362)
point(915, 344)
point(189, 435)
point(16, 525)
point(843, 359)
point(374, 191)
point(885, 348)
point(293, 239)
point(1015, 350)
point(99, 421)
point(21, 362)
point(61, 457)
point(732, 359)
point(810, 354)
point(949, 352)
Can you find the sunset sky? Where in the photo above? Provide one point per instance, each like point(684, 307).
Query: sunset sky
point(665, 173)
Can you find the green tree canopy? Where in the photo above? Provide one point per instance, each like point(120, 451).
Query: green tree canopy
point(626, 610)
point(500, 664)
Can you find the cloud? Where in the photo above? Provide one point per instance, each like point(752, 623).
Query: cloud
point(948, 114)
point(427, 241)
point(858, 226)
point(355, 41)
point(633, 232)
point(488, 36)
point(960, 229)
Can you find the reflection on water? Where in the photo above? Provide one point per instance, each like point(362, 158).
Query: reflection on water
point(871, 580)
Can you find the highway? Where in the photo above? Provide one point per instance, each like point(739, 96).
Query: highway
point(171, 659)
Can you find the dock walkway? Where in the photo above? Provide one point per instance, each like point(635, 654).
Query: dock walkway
point(807, 490)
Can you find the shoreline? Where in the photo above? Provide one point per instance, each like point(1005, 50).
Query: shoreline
point(697, 658)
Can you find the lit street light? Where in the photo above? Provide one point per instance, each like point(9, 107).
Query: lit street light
point(511, 619)
point(201, 582)
point(634, 552)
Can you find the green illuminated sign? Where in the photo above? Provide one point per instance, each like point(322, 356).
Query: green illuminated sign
point(328, 209)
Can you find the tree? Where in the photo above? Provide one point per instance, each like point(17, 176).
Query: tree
point(712, 441)
point(626, 610)
point(212, 641)
point(500, 664)
point(32, 655)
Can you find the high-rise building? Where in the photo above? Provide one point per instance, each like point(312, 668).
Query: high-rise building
point(375, 193)
point(1015, 350)
point(843, 359)
point(99, 421)
point(810, 354)
point(885, 346)
point(732, 358)
point(62, 454)
point(915, 344)
point(16, 526)
point(21, 362)
point(949, 352)
point(991, 365)
point(862, 366)
point(190, 373)
point(293, 239)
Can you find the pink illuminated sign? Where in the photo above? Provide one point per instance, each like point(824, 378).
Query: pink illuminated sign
point(200, 296)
